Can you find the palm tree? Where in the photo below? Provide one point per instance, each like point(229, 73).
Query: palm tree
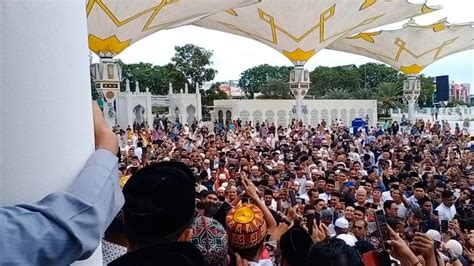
point(337, 93)
point(363, 94)
point(389, 95)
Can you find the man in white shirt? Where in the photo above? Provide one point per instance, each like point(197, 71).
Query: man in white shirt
point(138, 151)
point(309, 185)
point(446, 209)
point(301, 179)
point(207, 166)
point(403, 207)
point(127, 146)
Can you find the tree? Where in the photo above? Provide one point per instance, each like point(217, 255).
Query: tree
point(338, 93)
point(147, 75)
point(275, 89)
point(389, 95)
point(428, 89)
point(373, 74)
point(363, 94)
point(194, 61)
point(323, 79)
point(156, 78)
point(454, 103)
point(253, 79)
point(211, 94)
point(173, 76)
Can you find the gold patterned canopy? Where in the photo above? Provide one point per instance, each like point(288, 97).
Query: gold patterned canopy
point(115, 24)
point(300, 28)
point(411, 48)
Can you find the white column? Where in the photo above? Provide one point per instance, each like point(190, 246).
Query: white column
point(299, 86)
point(149, 111)
point(411, 111)
point(198, 105)
point(411, 92)
point(46, 128)
point(299, 106)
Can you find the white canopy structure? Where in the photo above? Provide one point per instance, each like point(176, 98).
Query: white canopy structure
point(411, 48)
point(115, 24)
point(300, 28)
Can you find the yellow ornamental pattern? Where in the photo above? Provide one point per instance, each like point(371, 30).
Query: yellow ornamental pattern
point(276, 28)
point(299, 56)
point(413, 69)
point(403, 49)
point(426, 9)
point(438, 26)
point(366, 36)
point(367, 4)
point(325, 16)
point(110, 45)
point(154, 11)
point(232, 12)
point(132, 20)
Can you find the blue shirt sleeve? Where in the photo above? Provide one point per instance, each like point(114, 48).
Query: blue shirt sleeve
point(64, 226)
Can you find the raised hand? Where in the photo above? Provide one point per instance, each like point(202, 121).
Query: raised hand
point(104, 137)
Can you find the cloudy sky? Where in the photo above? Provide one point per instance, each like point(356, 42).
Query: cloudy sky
point(232, 54)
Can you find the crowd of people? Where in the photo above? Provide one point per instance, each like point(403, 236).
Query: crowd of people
point(257, 194)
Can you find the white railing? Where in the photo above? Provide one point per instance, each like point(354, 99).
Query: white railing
point(445, 113)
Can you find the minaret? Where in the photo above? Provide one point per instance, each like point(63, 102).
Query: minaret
point(299, 86)
point(411, 92)
point(107, 75)
point(127, 85)
point(137, 87)
point(186, 90)
point(170, 88)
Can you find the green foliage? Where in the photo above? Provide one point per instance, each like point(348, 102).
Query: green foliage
point(454, 103)
point(154, 77)
point(147, 75)
point(275, 89)
point(213, 93)
point(253, 79)
point(338, 93)
point(363, 94)
point(373, 74)
point(428, 89)
point(343, 82)
point(389, 95)
point(194, 61)
point(323, 79)
point(173, 75)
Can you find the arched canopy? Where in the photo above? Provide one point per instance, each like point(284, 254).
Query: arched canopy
point(411, 48)
point(300, 28)
point(116, 24)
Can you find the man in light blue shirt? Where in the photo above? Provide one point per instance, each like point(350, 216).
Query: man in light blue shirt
point(66, 226)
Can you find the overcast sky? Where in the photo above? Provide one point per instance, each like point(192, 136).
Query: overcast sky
point(232, 53)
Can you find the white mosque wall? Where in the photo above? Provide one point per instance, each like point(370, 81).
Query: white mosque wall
point(281, 111)
point(128, 103)
point(182, 106)
point(185, 107)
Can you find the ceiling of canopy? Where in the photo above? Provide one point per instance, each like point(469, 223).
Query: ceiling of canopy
point(300, 28)
point(411, 48)
point(116, 24)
